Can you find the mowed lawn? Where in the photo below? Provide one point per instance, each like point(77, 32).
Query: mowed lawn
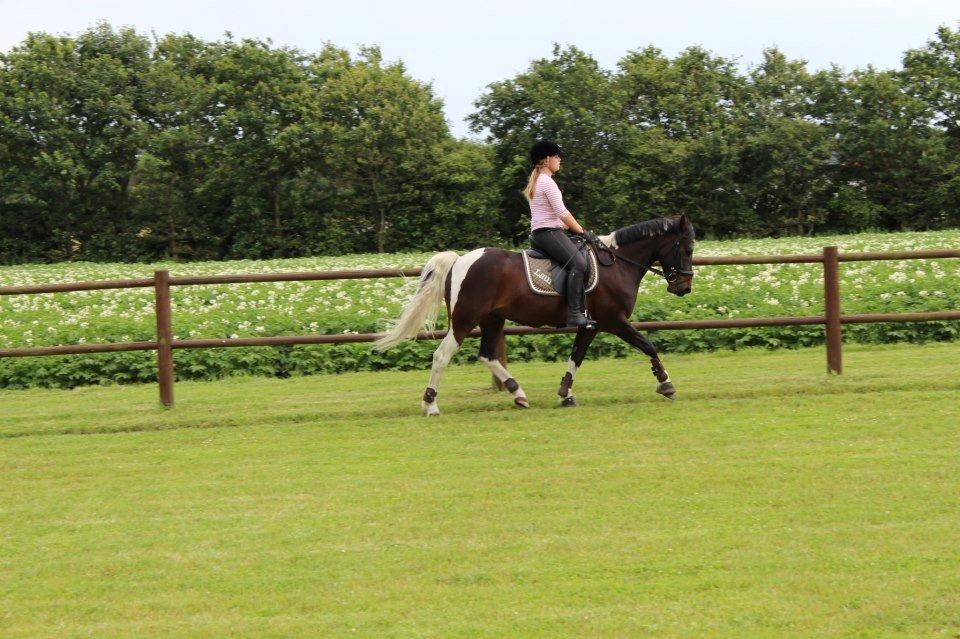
point(769, 500)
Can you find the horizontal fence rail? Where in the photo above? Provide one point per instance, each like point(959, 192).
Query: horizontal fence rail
point(165, 344)
point(304, 276)
point(353, 338)
point(307, 276)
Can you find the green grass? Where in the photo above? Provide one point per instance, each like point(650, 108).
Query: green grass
point(769, 500)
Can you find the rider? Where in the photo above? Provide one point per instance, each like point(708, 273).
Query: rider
point(548, 220)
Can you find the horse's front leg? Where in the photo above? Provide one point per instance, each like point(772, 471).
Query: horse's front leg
point(635, 338)
point(580, 345)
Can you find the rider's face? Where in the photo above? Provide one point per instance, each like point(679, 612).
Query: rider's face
point(553, 163)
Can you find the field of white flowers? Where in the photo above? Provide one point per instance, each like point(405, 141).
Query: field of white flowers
point(361, 306)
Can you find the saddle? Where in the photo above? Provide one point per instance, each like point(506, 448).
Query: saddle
point(546, 276)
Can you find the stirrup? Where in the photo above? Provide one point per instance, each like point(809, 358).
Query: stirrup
point(580, 320)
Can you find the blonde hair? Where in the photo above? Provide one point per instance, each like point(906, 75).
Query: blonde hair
point(532, 182)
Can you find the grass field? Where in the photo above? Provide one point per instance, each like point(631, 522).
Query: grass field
point(769, 500)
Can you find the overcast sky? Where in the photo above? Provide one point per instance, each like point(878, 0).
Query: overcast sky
point(460, 47)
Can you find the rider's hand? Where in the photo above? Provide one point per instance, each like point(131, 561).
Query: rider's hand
point(590, 236)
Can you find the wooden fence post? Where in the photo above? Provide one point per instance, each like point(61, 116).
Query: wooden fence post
point(831, 299)
point(500, 352)
point(161, 287)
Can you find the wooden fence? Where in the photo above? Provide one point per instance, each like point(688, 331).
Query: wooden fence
point(165, 344)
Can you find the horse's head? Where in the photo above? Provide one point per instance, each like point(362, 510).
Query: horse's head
point(675, 254)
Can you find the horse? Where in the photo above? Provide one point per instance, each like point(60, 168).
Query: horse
point(487, 287)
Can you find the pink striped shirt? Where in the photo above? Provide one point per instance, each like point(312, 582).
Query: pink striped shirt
point(546, 206)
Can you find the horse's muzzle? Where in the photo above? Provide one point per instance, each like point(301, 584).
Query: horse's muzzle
point(681, 288)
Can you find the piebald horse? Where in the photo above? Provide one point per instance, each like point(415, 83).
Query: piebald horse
point(487, 286)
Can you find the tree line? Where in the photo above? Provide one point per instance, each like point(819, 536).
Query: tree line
point(119, 146)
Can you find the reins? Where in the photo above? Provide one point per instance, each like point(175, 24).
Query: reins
point(600, 247)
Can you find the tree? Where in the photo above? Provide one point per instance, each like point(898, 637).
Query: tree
point(68, 123)
point(180, 112)
point(785, 164)
point(385, 128)
point(681, 140)
point(885, 144)
point(931, 74)
point(261, 94)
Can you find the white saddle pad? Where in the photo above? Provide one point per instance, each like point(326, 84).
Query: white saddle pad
point(544, 275)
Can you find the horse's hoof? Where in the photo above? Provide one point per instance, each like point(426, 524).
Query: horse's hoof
point(431, 410)
point(667, 390)
point(521, 402)
point(569, 401)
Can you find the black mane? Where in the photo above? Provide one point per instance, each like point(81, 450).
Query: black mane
point(648, 228)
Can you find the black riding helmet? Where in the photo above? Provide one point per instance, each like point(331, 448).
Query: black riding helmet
point(542, 149)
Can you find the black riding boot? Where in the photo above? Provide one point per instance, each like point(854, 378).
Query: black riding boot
point(576, 300)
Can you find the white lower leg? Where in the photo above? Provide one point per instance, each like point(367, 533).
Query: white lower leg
point(501, 374)
point(441, 357)
point(572, 369)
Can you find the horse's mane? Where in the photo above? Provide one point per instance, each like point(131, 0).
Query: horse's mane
point(648, 228)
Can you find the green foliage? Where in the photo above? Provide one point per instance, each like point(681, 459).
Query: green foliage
point(115, 147)
point(69, 135)
point(775, 152)
point(118, 146)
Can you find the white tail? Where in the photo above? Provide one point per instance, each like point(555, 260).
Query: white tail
point(421, 310)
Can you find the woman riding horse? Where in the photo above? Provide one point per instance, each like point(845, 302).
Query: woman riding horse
point(549, 219)
point(487, 286)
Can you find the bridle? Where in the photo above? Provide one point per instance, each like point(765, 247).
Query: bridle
point(672, 274)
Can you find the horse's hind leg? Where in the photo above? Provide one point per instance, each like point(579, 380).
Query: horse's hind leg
point(441, 357)
point(580, 345)
point(635, 338)
point(469, 298)
point(491, 330)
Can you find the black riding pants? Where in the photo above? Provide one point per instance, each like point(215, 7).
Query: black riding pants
point(558, 245)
